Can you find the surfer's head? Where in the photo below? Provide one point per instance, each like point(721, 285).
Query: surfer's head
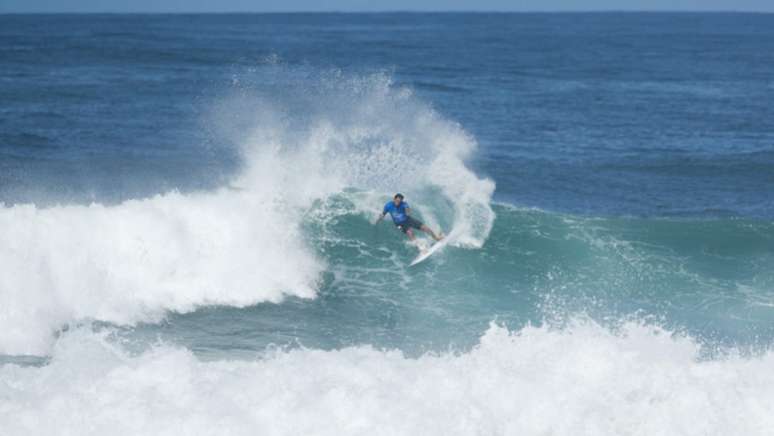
point(397, 199)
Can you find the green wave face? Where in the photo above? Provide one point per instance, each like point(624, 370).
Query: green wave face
point(710, 280)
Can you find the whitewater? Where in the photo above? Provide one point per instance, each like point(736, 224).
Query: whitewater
point(581, 381)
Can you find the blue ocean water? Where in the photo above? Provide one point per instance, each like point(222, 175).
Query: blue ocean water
point(188, 204)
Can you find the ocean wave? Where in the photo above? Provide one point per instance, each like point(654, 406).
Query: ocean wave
point(583, 380)
point(302, 141)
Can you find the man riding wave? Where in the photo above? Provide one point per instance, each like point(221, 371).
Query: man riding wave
point(399, 210)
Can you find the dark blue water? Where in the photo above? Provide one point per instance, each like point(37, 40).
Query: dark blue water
point(598, 114)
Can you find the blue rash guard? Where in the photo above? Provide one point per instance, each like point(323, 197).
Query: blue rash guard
point(398, 213)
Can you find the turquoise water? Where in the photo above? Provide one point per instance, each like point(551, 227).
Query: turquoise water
point(709, 279)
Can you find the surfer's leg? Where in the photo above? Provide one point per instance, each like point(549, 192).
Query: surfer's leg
point(419, 225)
point(427, 230)
point(406, 228)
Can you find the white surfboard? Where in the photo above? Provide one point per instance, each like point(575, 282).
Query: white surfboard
point(427, 253)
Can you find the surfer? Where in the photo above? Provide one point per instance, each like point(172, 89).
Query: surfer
point(399, 210)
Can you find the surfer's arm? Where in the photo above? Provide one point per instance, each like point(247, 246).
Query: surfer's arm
point(380, 218)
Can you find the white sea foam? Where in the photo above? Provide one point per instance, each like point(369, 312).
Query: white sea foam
point(240, 245)
point(580, 381)
point(131, 262)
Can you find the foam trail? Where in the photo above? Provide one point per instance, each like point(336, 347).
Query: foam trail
point(134, 261)
point(582, 381)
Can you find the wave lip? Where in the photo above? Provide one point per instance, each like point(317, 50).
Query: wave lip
point(584, 380)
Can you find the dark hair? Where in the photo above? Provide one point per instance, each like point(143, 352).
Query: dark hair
point(398, 195)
